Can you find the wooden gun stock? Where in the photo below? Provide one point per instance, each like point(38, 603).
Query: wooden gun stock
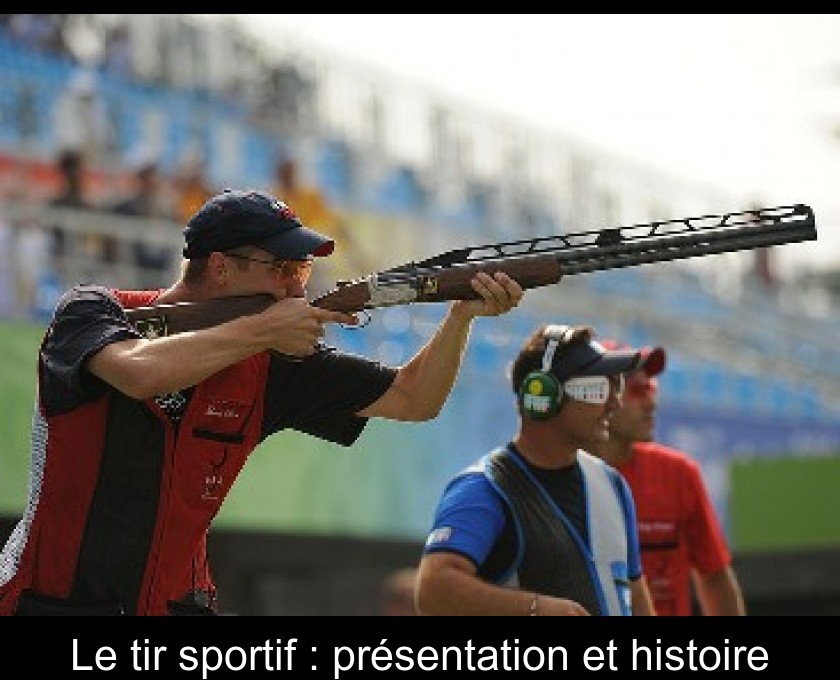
point(157, 321)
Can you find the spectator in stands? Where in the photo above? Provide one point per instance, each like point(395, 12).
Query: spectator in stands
point(539, 526)
point(146, 198)
point(284, 99)
point(303, 197)
point(138, 440)
point(26, 117)
point(192, 187)
point(308, 201)
point(16, 182)
point(152, 251)
point(682, 541)
point(33, 265)
point(71, 166)
point(8, 298)
point(26, 248)
point(81, 121)
point(760, 276)
point(118, 56)
point(43, 32)
point(397, 593)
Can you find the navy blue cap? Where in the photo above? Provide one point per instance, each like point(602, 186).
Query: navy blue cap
point(236, 218)
point(592, 358)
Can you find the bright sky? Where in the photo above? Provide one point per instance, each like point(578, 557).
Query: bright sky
point(744, 102)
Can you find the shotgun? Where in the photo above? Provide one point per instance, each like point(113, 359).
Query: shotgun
point(533, 263)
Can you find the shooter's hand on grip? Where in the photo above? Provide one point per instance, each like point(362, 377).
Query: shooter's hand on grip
point(293, 327)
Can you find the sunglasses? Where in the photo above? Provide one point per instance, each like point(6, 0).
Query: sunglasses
point(594, 389)
point(299, 270)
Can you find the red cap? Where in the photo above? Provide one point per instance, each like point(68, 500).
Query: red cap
point(653, 358)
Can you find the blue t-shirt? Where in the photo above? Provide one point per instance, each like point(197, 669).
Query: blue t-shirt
point(474, 521)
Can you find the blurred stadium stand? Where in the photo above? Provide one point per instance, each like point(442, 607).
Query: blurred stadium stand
point(756, 367)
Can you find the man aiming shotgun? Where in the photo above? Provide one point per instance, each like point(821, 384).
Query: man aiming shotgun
point(137, 440)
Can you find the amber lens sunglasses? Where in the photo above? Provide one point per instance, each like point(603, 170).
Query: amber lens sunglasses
point(299, 270)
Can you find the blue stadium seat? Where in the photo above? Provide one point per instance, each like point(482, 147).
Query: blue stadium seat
point(334, 170)
point(675, 385)
point(746, 392)
point(781, 399)
point(399, 193)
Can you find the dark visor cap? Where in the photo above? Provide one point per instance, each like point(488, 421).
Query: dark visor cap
point(236, 218)
point(652, 358)
point(591, 358)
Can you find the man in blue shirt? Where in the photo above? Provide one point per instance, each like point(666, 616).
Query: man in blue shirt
point(539, 526)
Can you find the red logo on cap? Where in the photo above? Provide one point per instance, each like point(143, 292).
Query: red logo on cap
point(284, 210)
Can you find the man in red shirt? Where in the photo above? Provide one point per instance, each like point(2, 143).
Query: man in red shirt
point(682, 543)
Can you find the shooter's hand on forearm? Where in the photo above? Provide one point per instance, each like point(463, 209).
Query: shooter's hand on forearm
point(499, 294)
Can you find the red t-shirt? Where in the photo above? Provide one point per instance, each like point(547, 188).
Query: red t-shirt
point(678, 528)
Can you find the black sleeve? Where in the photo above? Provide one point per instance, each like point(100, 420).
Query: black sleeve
point(322, 394)
point(86, 319)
